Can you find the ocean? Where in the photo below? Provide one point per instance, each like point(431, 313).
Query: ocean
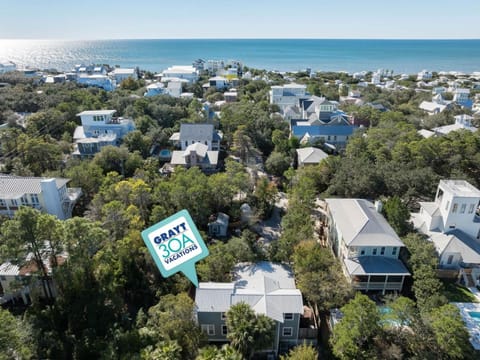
point(402, 56)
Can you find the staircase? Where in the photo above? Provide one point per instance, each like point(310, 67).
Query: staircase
point(467, 277)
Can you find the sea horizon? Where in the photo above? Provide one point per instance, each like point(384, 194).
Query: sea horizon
point(277, 54)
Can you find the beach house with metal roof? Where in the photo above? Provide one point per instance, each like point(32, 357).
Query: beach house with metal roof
point(268, 288)
point(452, 223)
point(50, 195)
point(99, 128)
point(366, 245)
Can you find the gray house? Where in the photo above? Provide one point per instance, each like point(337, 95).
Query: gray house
point(197, 133)
point(268, 288)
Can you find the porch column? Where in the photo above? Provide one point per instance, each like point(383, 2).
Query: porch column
point(385, 284)
point(401, 285)
point(368, 283)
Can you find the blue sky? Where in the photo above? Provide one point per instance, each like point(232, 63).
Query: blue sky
point(108, 19)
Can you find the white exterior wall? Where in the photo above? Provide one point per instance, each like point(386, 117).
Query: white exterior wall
point(369, 251)
point(52, 198)
point(456, 260)
point(456, 212)
point(211, 145)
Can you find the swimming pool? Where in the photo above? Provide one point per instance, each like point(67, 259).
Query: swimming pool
point(475, 315)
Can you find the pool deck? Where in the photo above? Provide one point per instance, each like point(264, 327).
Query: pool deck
point(473, 326)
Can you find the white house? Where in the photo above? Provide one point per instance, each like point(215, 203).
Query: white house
point(451, 222)
point(424, 75)
point(288, 95)
point(120, 74)
point(310, 156)
point(268, 288)
point(50, 195)
point(7, 66)
point(462, 122)
point(365, 244)
point(187, 72)
point(99, 128)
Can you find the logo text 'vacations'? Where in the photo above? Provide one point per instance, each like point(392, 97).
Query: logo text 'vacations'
point(176, 245)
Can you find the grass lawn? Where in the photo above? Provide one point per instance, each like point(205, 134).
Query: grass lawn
point(457, 293)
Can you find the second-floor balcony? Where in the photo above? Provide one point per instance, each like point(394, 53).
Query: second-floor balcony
point(73, 194)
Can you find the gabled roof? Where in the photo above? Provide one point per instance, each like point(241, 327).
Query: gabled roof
point(456, 241)
point(310, 155)
point(15, 186)
point(267, 287)
point(430, 207)
point(360, 224)
point(199, 148)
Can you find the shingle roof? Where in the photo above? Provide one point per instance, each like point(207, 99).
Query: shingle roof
point(310, 155)
point(15, 186)
point(360, 224)
point(199, 132)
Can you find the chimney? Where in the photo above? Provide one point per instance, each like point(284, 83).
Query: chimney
point(378, 206)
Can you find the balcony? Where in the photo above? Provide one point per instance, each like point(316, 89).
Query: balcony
point(73, 194)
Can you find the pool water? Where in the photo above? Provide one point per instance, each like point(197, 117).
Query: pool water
point(475, 315)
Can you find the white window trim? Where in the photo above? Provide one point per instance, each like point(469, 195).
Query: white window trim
point(224, 330)
point(209, 329)
point(289, 317)
point(223, 316)
point(285, 328)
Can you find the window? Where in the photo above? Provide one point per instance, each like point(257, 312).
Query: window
point(454, 208)
point(288, 316)
point(328, 137)
point(209, 329)
point(24, 200)
point(382, 251)
point(3, 278)
point(186, 143)
point(287, 331)
point(34, 198)
point(223, 316)
point(478, 235)
point(2, 203)
point(14, 202)
point(362, 252)
point(450, 259)
point(447, 205)
point(462, 208)
point(471, 208)
point(224, 330)
point(394, 251)
point(374, 252)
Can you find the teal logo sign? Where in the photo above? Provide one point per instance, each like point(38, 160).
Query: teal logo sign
point(176, 245)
